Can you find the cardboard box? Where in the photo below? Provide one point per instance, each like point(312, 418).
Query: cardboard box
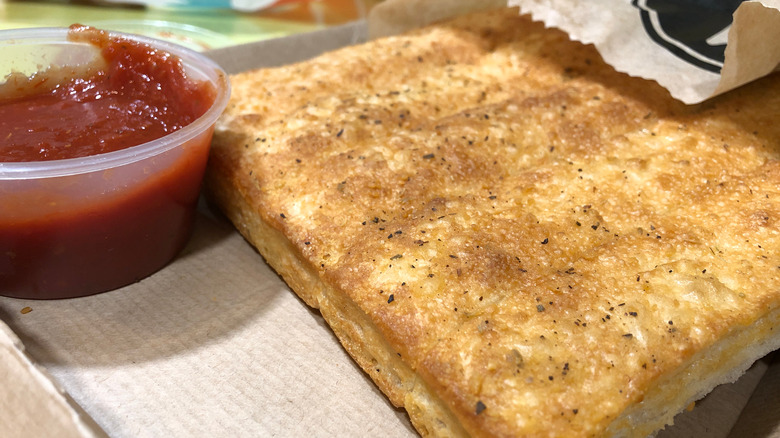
point(215, 344)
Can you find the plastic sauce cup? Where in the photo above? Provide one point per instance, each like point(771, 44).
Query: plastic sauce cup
point(81, 226)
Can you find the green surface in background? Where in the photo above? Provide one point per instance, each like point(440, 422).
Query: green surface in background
point(197, 28)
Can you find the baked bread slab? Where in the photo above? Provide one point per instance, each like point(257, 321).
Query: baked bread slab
point(508, 236)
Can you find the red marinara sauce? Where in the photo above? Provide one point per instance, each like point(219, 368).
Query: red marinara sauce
point(67, 236)
point(141, 95)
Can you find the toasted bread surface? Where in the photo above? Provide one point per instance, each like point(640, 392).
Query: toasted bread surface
point(509, 237)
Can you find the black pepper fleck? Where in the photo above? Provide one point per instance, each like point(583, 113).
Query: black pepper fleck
point(480, 407)
point(391, 298)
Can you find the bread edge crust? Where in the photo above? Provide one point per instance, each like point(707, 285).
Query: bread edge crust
point(357, 334)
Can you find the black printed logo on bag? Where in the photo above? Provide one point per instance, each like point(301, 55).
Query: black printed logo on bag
point(693, 30)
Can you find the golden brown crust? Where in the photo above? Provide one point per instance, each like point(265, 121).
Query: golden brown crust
point(508, 236)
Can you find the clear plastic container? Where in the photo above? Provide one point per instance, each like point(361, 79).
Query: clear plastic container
point(81, 226)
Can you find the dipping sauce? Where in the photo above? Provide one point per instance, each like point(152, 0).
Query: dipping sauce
point(140, 95)
point(78, 234)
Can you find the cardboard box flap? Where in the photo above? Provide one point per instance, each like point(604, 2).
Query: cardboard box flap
point(31, 403)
